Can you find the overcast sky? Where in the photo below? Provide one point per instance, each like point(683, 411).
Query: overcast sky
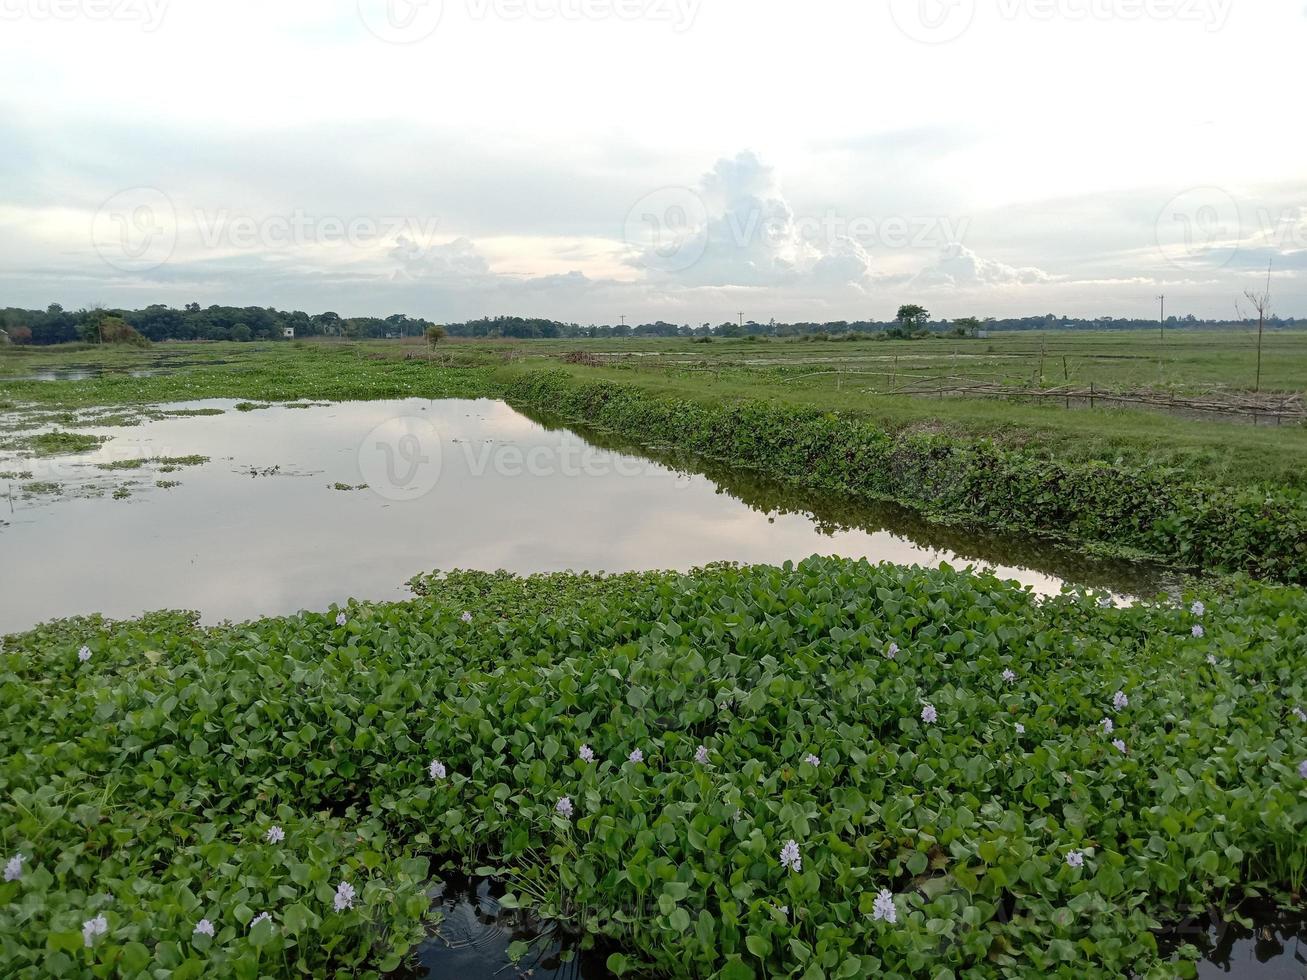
point(683, 160)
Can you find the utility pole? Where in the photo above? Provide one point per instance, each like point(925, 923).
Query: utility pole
point(623, 319)
point(741, 319)
point(1161, 330)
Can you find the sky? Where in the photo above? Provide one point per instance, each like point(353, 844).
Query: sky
point(678, 160)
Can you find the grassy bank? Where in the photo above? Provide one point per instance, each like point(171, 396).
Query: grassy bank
point(1196, 524)
point(1002, 831)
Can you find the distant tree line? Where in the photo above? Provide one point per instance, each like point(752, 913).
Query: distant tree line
point(55, 325)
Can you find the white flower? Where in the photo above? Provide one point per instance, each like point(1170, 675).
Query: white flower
point(437, 769)
point(790, 859)
point(929, 715)
point(204, 928)
point(1107, 726)
point(586, 754)
point(344, 897)
point(275, 834)
point(784, 910)
point(1120, 701)
point(1302, 769)
point(92, 929)
point(812, 760)
point(1211, 659)
point(1198, 631)
point(14, 868)
point(84, 654)
point(1075, 859)
point(893, 651)
point(1119, 746)
point(261, 917)
point(884, 907)
point(1300, 714)
point(1021, 729)
point(635, 756)
point(466, 617)
point(701, 755)
point(1009, 676)
point(340, 619)
point(564, 806)
point(1198, 609)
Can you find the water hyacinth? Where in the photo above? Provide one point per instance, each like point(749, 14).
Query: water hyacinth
point(1299, 714)
point(1119, 746)
point(340, 619)
point(893, 651)
point(14, 868)
point(1198, 609)
point(1021, 729)
point(1211, 659)
point(564, 806)
point(204, 928)
point(884, 909)
point(436, 769)
point(1108, 726)
point(701, 755)
point(1009, 676)
point(784, 910)
point(84, 654)
point(92, 929)
point(586, 754)
point(812, 760)
point(1198, 631)
point(344, 897)
point(1302, 769)
point(790, 858)
point(466, 617)
point(1075, 859)
point(261, 917)
point(275, 834)
point(929, 715)
point(635, 756)
point(1120, 701)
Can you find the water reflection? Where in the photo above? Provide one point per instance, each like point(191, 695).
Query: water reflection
point(470, 484)
point(1273, 946)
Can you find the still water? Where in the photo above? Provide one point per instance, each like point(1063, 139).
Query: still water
point(297, 508)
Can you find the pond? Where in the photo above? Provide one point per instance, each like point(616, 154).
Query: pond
point(298, 507)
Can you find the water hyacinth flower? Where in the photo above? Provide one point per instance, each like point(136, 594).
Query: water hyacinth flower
point(701, 755)
point(1120, 701)
point(436, 769)
point(1075, 859)
point(635, 756)
point(893, 651)
point(1021, 729)
point(92, 929)
point(204, 928)
point(14, 868)
point(929, 715)
point(84, 654)
point(1302, 769)
point(1198, 609)
point(1009, 676)
point(1107, 726)
point(261, 917)
point(1300, 714)
point(884, 907)
point(812, 760)
point(784, 910)
point(466, 617)
point(344, 897)
point(275, 834)
point(1119, 746)
point(1211, 659)
point(1198, 631)
point(790, 859)
point(340, 619)
point(586, 754)
point(564, 806)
